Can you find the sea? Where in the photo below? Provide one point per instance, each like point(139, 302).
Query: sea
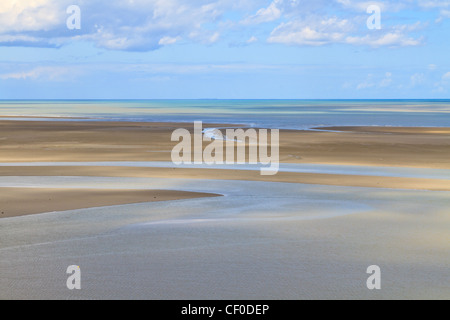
point(272, 114)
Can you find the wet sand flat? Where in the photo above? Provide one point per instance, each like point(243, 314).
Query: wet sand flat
point(25, 141)
point(217, 174)
point(295, 235)
point(260, 241)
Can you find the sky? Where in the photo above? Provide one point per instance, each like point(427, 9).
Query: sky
point(224, 49)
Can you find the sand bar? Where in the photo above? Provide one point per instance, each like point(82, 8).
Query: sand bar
point(22, 141)
point(24, 201)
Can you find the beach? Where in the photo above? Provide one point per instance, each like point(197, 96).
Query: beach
point(224, 155)
point(23, 201)
point(105, 195)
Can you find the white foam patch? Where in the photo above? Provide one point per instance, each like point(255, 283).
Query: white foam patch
point(216, 134)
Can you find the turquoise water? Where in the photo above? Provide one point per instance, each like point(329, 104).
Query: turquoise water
point(282, 114)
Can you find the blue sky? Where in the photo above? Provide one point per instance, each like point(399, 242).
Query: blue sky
point(177, 49)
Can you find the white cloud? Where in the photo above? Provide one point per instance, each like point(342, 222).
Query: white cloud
point(444, 14)
point(314, 32)
point(271, 13)
point(434, 3)
point(31, 15)
point(46, 72)
point(387, 80)
point(363, 5)
point(394, 6)
point(372, 82)
point(417, 79)
point(390, 39)
point(252, 39)
point(278, 9)
point(331, 30)
point(121, 25)
point(168, 40)
point(143, 25)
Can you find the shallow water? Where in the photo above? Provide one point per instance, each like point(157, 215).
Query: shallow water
point(400, 172)
point(260, 241)
point(277, 114)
